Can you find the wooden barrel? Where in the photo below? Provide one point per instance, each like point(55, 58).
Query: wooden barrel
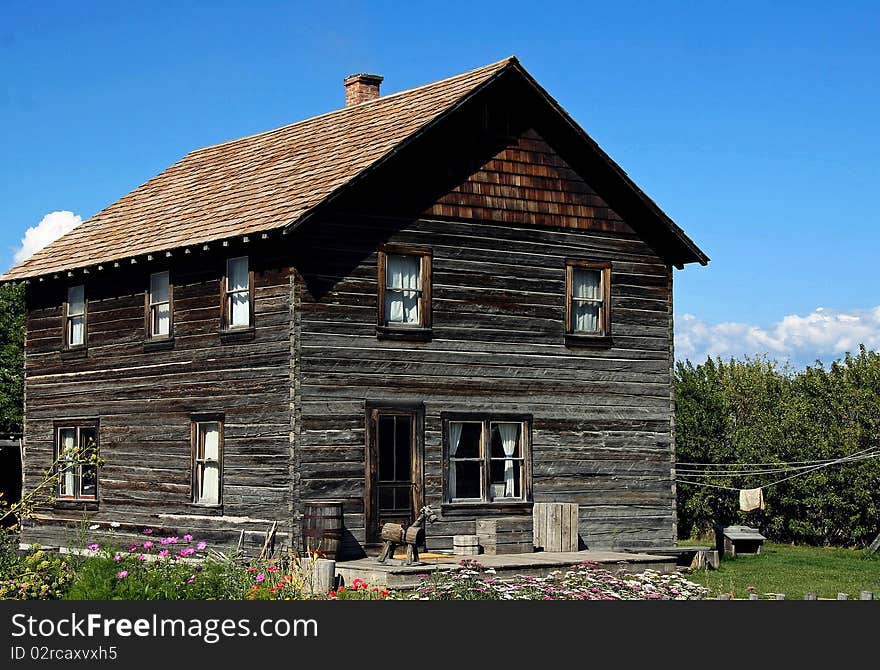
point(322, 528)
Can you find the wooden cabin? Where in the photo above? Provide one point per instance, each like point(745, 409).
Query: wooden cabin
point(449, 295)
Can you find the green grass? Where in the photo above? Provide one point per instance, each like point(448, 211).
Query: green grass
point(794, 571)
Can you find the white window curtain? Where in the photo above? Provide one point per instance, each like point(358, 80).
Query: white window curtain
point(454, 439)
point(68, 481)
point(238, 289)
point(586, 300)
point(404, 278)
point(160, 302)
point(76, 309)
point(210, 483)
point(509, 433)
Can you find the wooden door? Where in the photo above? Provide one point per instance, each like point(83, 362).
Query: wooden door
point(394, 469)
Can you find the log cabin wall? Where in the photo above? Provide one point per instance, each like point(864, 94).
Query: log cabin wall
point(601, 430)
point(144, 399)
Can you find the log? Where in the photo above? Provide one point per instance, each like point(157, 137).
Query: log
point(393, 532)
point(323, 576)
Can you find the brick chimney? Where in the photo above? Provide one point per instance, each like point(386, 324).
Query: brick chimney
point(361, 88)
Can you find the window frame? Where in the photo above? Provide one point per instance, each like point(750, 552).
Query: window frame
point(384, 328)
point(150, 336)
point(67, 320)
point(76, 425)
point(197, 420)
point(486, 501)
point(226, 296)
point(603, 337)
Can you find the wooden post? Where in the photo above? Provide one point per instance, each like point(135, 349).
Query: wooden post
point(866, 595)
point(843, 596)
point(323, 576)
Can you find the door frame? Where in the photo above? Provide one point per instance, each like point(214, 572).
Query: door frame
point(371, 460)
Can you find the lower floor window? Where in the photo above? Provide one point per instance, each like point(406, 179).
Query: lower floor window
point(487, 458)
point(207, 449)
point(76, 456)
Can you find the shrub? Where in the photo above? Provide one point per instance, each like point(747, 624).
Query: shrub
point(39, 575)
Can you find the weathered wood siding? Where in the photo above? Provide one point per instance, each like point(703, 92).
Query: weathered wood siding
point(602, 418)
point(144, 400)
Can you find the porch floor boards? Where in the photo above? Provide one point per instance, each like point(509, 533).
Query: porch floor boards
point(537, 564)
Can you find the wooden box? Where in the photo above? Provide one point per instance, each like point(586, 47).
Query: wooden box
point(556, 526)
point(506, 535)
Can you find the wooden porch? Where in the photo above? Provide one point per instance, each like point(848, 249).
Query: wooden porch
point(396, 575)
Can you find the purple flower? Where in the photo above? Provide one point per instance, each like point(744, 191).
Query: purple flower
point(201, 546)
point(141, 557)
point(260, 577)
point(117, 558)
point(148, 531)
point(187, 538)
point(191, 579)
point(163, 553)
point(93, 547)
point(123, 574)
point(132, 548)
point(148, 544)
point(189, 551)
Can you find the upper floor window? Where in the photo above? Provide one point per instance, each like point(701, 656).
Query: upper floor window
point(159, 306)
point(404, 288)
point(238, 288)
point(76, 456)
point(487, 459)
point(588, 298)
point(207, 435)
point(75, 317)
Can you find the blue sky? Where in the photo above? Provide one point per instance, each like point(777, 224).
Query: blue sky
point(754, 125)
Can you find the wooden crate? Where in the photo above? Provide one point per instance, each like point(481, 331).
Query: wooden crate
point(506, 535)
point(555, 526)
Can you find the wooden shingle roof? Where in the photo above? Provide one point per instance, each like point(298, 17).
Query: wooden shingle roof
point(256, 183)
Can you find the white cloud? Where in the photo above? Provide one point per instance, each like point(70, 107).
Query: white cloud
point(50, 228)
point(822, 334)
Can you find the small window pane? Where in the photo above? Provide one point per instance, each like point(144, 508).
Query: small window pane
point(237, 274)
point(76, 330)
point(403, 448)
point(76, 301)
point(386, 498)
point(160, 287)
point(586, 284)
point(239, 310)
point(469, 442)
point(505, 478)
point(210, 485)
point(161, 319)
point(386, 448)
point(89, 481)
point(467, 479)
point(505, 440)
point(210, 441)
point(67, 456)
point(403, 288)
point(585, 317)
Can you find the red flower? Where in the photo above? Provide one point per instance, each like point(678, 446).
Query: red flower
point(272, 568)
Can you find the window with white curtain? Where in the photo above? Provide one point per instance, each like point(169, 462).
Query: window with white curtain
point(75, 320)
point(160, 305)
point(76, 458)
point(404, 288)
point(238, 293)
point(486, 459)
point(587, 299)
point(207, 473)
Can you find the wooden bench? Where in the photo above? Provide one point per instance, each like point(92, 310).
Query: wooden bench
point(506, 535)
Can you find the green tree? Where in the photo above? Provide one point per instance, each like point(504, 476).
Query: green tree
point(12, 328)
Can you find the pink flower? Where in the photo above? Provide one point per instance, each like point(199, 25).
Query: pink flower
point(141, 557)
point(201, 546)
point(132, 548)
point(187, 538)
point(117, 558)
point(163, 553)
point(123, 574)
point(191, 579)
point(93, 547)
point(148, 544)
point(260, 577)
point(148, 531)
point(189, 551)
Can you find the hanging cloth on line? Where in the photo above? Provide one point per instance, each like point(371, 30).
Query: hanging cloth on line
point(750, 499)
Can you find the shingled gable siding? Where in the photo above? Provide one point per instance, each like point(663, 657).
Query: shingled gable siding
point(602, 418)
point(145, 399)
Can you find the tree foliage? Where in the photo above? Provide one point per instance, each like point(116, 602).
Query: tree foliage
point(12, 326)
point(756, 411)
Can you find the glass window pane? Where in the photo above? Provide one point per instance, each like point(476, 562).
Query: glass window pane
point(76, 300)
point(401, 307)
point(210, 483)
point(386, 448)
point(161, 319)
point(403, 272)
point(239, 309)
point(403, 498)
point(403, 449)
point(386, 498)
point(237, 274)
point(210, 441)
point(586, 283)
point(75, 330)
point(467, 479)
point(159, 287)
point(585, 317)
point(66, 445)
point(469, 442)
point(505, 477)
point(89, 481)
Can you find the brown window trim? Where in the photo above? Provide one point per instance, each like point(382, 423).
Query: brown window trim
point(76, 501)
point(236, 333)
point(417, 333)
point(74, 350)
point(514, 505)
point(195, 420)
point(602, 339)
point(158, 342)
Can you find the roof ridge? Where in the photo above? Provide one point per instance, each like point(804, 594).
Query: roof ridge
point(504, 61)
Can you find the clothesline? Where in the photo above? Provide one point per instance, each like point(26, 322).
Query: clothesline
point(776, 463)
point(738, 473)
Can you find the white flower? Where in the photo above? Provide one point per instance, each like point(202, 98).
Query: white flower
point(114, 524)
point(94, 526)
